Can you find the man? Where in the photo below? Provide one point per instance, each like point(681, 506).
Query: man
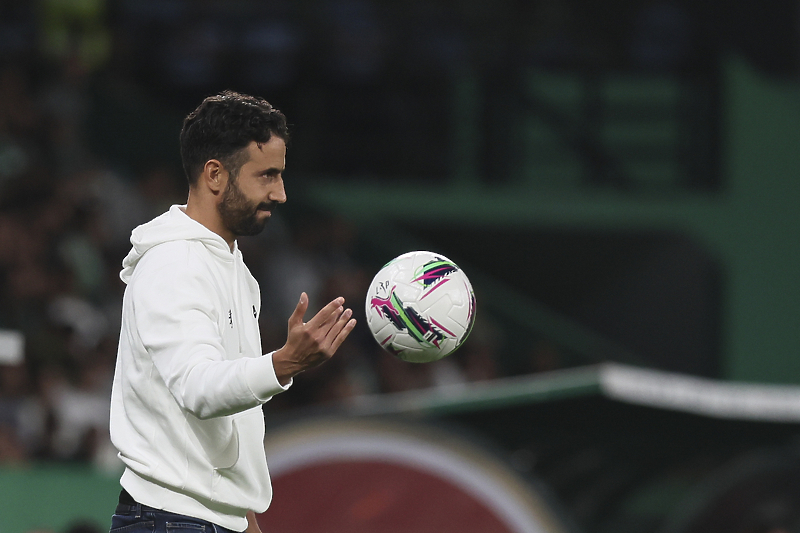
point(190, 377)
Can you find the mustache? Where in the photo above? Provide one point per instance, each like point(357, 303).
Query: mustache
point(266, 206)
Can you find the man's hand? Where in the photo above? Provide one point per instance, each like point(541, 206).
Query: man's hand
point(311, 343)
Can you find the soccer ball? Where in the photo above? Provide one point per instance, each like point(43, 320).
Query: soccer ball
point(420, 307)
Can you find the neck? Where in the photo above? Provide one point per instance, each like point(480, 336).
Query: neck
point(205, 212)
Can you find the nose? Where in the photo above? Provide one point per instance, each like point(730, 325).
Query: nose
point(278, 194)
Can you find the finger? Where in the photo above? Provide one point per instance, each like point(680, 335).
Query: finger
point(342, 335)
point(299, 312)
point(326, 313)
point(337, 325)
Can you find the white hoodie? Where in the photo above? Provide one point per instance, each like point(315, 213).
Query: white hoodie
point(190, 376)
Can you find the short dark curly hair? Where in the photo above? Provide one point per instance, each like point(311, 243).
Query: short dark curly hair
point(221, 128)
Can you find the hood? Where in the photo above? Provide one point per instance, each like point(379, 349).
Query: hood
point(174, 225)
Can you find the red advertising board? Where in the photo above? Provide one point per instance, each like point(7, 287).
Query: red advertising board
point(376, 477)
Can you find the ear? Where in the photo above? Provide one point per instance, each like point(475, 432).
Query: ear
point(214, 176)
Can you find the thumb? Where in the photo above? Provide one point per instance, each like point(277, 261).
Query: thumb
point(299, 312)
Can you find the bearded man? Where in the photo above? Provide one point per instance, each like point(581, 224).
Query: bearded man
point(191, 378)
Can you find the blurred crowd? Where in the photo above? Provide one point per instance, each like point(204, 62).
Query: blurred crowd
point(66, 213)
point(64, 216)
point(80, 166)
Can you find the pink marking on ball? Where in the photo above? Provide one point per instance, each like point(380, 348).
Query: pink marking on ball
point(442, 327)
point(445, 280)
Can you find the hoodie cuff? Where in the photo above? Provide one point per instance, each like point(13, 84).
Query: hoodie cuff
point(261, 378)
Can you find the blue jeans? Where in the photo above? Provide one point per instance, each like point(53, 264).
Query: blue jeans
point(143, 519)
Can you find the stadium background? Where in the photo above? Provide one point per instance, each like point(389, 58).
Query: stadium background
point(618, 179)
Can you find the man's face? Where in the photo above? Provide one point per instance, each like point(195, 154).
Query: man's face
point(250, 197)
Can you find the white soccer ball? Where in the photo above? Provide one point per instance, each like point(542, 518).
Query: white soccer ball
point(420, 307)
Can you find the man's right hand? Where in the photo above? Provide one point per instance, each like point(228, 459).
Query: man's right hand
point(311, 343)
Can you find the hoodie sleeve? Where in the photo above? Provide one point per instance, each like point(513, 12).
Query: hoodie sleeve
point(177, 320)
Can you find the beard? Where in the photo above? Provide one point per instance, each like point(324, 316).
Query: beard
point(240, 215)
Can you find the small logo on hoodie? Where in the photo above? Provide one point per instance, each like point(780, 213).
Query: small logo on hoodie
point(255, 315)
point(230, 317)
